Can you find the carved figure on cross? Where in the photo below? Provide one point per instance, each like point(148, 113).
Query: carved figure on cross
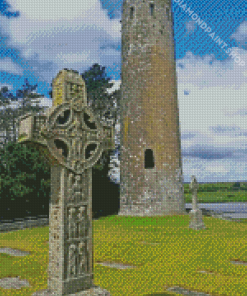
point(72, 146)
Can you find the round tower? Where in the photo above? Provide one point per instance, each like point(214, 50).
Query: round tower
point(151, 181)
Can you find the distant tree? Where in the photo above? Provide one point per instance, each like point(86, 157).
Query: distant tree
point(105, 192)
point(100, 101)
point(5, 100)
point(26, 97)
point(24, 181)
point(98, 98)
point(9, 117)
point(244, 186)
point(30, 186)
point(14, 184)
point(236, 185)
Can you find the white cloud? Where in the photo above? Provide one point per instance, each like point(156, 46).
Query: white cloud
point(240, 35)
point(116, 86)
point(217, 168)
point(59, 33)
point(73, 57)
point(6, 65)
point(45, 102)
point(215, 91)
point(10, 86)
point(46, 10)
point(53, 34)
point(199, 72)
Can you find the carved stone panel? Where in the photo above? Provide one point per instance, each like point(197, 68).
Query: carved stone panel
point(73, 140)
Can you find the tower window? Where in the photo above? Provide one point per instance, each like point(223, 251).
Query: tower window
point(131, 12)
point(168, 13)
point(151, 9)
point(149, 159)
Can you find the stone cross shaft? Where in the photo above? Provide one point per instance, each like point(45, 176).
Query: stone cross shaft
point(72, 140)
point(196, 219)
point(194, 186)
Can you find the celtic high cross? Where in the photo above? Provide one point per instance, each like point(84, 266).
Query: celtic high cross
point(72, 140)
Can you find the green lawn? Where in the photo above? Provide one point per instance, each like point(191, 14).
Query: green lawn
point(181, 252)
point(218, 196)
point(174, 261)
point(218, 192)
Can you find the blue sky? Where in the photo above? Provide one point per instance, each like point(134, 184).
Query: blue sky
point(41, 37)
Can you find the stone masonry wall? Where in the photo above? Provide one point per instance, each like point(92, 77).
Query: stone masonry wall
point(149, 110)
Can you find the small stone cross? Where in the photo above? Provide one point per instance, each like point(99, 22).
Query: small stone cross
point(194, 186)
point(196, 221)
point(72, 139)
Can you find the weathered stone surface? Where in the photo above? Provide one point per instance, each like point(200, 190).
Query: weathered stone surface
point(151, 180)
point(182, 291)
point(196, 221)
point(95, 291)
point(72, 139)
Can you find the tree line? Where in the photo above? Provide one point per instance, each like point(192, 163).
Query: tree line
point(24, 173)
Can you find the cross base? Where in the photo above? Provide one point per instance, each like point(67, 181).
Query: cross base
point(196, 221)
point(94, 291)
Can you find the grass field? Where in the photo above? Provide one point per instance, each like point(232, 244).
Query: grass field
point(218, 192)
point(166, 251)
point(174, 261)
